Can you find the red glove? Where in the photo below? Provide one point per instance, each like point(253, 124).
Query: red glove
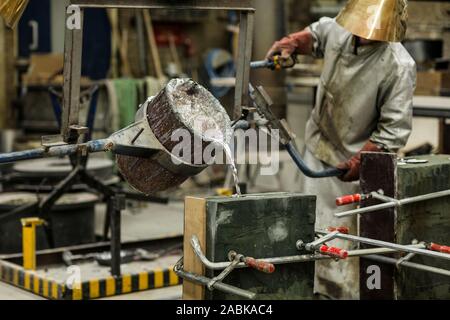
point(300, 42)
point(354, 163)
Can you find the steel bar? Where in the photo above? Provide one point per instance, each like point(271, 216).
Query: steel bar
point(290, 259)
point(382, 197)
point(56, 151)
point(72, 71)
point(231, 266)
point(313, 245)
point(394, 203)
point(235, 5)
point(390, 245)
point(263, 64)
point(243, 62)
point(408, 264)
point(178, 269)
point(218, 285)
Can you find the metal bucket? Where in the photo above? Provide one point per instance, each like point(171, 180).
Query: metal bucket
point(182, 105)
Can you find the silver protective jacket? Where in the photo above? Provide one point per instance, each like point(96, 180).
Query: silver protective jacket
point(361, 97)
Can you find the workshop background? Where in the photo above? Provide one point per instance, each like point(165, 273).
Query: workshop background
point(129, 55)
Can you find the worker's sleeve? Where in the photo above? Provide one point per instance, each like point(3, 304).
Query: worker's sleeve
point(396, 111)
point(320, 31)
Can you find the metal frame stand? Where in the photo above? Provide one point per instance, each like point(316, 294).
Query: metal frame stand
point(70, 138)
point(74, 43)
point(70, 128)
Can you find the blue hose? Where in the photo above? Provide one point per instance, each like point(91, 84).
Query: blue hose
point(330, 172)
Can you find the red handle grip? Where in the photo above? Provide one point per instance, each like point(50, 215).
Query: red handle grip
point(352, 198)
point(333, 252)
point(439, 248)
point(259, 265)
point(343, 230)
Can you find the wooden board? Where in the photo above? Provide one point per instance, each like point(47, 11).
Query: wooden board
point(7, 75)
point(378, 171)
point(194, 224)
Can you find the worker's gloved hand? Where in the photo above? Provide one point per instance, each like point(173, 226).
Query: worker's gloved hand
point(353, 165)
point(300, 42)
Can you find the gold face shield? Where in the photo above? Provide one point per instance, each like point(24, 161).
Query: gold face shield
point(12, 10)
point(379, 20)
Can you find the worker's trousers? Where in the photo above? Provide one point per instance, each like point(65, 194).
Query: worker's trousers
point(334, 279)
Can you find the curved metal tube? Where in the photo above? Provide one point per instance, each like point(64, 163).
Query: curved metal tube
point(331, 172)
point(196, 278)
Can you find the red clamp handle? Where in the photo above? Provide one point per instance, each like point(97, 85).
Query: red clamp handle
point(439, 248)
point(349, 199)
point(259, 265)
point(333, 252)
point(343, 230)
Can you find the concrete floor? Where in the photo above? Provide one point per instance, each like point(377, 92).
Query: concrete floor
point(8, 292)
point(146, 221)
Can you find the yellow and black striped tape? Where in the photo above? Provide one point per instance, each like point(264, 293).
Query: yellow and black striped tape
point(29, 281)
point(92, 289)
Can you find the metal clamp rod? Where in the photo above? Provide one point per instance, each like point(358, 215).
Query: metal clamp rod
point(178, 269)
point(56, 151)
point(313, 245)
point(404, 259)
point(243, 262)
point(319, 246)
point(218, 285)
point(395, 246)
point(408, 264)
point(291, 259)
point(380, 196)
point(225, 272)
point(392, 203)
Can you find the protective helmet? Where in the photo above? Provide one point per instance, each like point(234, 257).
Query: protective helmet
point(380, 20)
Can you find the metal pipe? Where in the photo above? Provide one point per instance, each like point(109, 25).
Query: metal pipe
point(234, 5)
point(394, 203)
point(262, 64)
point(289, 259)
point(217, 285)
point(408, 264)
point(313, 245)
point(56, 151)
point(382, 197)
point(210, 283)
point(390, 245)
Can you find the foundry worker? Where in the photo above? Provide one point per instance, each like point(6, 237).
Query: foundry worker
point(364, 103)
